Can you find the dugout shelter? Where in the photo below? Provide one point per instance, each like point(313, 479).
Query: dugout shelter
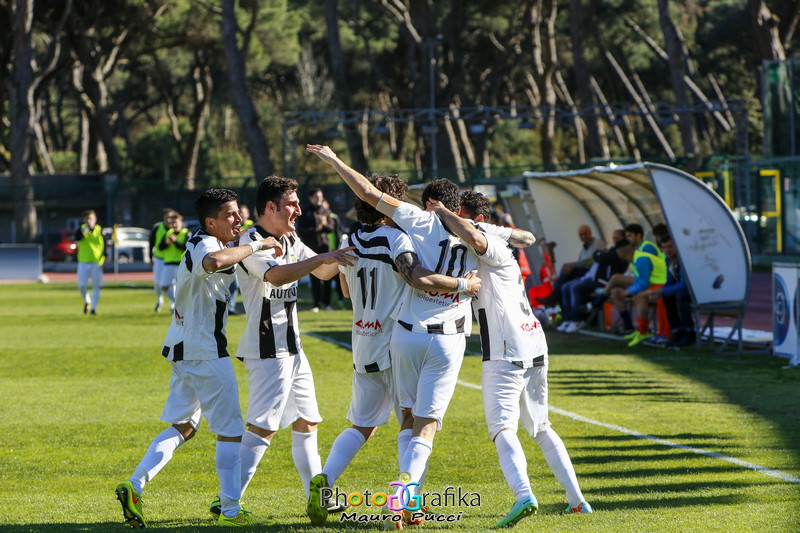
point(712, 248)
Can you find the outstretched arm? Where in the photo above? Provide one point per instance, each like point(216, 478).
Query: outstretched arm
point(322, 266)
point(357, 182)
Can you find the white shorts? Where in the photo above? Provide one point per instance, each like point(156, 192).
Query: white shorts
point(168, 275)
point(511, 394)
point(158, 264)
point(425, 368)
point(205, 388)
point(281, 390)
point(372, 400)
point(87, 271)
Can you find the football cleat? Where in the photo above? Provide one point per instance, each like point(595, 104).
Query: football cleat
point(336, 508)
point(638, 338)
point(631, 335)
point(518, 511)
point(316, 512)
point(85, 308)
point(581, 508)
point(215, 508)
point(131, 505)
point(241, 519)
point(395, 520)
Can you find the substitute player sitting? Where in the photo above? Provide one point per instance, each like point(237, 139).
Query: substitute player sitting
point(514, 374)
point(203, 382)
point(281, 390)
point(387, 265)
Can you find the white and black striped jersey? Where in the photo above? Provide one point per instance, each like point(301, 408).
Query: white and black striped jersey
point(443, 312)
point(272, 329)
point(509, 329)
point(197, 331)
point(376, 290)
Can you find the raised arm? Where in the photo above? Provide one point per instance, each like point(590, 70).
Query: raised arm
point(357, 182)
point(419, 277)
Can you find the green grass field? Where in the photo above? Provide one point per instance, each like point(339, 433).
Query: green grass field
point(83, 396)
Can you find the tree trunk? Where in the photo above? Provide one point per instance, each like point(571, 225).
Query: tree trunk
point(612, 119)
point(677, 73)
point(235, 58)
point(542, 15)
point(596, 146)
point(641, 105)
point(203, 84)
point(21, 131)
point(339, 71)
point(764, 25)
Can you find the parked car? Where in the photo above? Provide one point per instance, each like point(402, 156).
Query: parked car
point(133, 244)
point(62, 246)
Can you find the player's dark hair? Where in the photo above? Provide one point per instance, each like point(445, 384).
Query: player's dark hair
point(313, 191)
point(665, 239)
point(634, 228)
point(270, 190)
point(660, 231)
point(209, 203)
point(444, 191)
point(391, 185)
point(474, 203)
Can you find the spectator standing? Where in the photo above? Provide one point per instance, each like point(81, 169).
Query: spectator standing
point(156, 235)
point(314, 226)
point(172, 247)
point(91, 256)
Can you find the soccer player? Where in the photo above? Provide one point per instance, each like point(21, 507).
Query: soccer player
point(203, 382)
point(376, 284)
point(281, 391)
point(429, 335)
point(172, 246)
point(156, 235)
point(514, 374)
point(91, 256)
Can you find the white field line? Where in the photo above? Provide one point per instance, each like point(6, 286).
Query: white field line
point(699, 451)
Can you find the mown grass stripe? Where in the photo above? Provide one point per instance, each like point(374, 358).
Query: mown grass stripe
point(580, 418)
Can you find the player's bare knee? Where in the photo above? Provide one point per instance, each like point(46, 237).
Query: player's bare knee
point(261, 432)
point(408, 419)
point(223, 438)
point(186, 430)
point(366, 431)
point(425, 428)
point(302, 425)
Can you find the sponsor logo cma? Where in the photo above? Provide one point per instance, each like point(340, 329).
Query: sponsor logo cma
point(452, 296)
point(369, 325)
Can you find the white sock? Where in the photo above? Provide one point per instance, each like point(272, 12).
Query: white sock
point(402, 443)
point(229, 471)
point(306, 457)
point(85, 294)
point(555, 453)
point(253, 448)
point(416, 457)
point(156, 457)
point(345, 447)
point(96, 296)
point(513, 464)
